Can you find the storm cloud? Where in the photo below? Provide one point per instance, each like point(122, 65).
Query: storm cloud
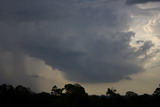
point(87, 40)
point(130, 2)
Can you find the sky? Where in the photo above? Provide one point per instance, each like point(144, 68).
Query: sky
point(99, 44)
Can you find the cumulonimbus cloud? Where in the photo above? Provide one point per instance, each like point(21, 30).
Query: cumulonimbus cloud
point(87, 40)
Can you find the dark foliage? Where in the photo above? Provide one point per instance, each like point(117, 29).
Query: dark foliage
point(73, 95)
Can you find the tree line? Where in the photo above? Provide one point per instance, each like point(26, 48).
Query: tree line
point(74, 95)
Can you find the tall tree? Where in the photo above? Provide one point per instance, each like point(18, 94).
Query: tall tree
point(74, 89)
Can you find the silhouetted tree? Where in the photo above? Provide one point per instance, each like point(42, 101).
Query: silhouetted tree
point(21, 90)
point(57, 91)
point(74, 95)
point(131, 94)
point(157, 91)
point(6, 89)
point(112, 92)
point(74, 89)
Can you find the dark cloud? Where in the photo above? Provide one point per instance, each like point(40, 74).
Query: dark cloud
point(36, 10)
point(97, 62)
point(87, 40)
point(130, 2)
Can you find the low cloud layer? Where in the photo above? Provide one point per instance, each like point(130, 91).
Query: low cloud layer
point(88, 40)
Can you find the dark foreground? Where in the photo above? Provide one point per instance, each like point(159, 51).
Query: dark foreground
point(73, 95)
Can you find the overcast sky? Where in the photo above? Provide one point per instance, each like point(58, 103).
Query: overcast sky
point(97, 43)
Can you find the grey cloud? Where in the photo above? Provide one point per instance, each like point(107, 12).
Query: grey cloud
point(139, 41)
point(12, 70)
point(35, 76)
point(144, 49)
point(87, 40)
point(147, 45)
point(97, 62)
point(34, 10)
point(130, 2)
